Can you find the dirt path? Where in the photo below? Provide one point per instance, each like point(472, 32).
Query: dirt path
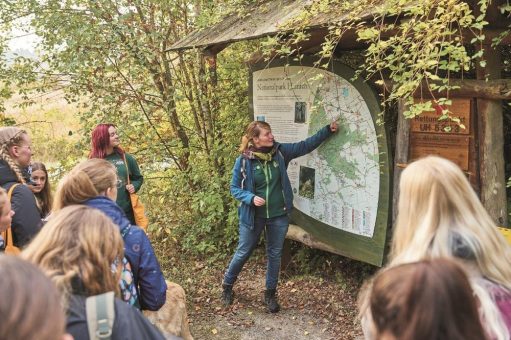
point(313, 306)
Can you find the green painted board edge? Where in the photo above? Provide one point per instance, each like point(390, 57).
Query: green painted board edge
point(371, 250)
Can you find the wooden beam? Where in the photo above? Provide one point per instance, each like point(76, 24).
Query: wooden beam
point(469, 88)
point(401, 154)
point(296, 233)
point(491, 144)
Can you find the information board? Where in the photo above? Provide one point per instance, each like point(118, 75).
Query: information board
point(337, 187)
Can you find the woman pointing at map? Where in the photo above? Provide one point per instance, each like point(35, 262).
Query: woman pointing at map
point(261, 184)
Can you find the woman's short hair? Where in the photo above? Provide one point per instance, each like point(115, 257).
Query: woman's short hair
point(425, 300)
point(79, 242)
point(86, 180)
point(45, 194)
point(30, 305)
point(253, 130)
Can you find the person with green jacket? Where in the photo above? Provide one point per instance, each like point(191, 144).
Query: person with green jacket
point(106, 144)
point(262, 186)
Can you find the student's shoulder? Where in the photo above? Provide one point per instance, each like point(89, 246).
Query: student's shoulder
point(19, 190)
point(130, 157)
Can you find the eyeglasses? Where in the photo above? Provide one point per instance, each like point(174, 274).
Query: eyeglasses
point(118, 183)
point(26, 146)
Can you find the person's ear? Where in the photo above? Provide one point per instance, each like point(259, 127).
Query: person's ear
point(111, 193)
point(14, 151)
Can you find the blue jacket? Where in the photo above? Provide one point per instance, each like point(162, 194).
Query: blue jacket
point(140, 254)
point(243, 189)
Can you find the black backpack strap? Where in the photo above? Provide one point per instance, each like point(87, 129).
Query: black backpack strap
point(243, 171)
point(125, 230)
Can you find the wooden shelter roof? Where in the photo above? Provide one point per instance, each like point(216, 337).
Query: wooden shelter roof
point(263, 18)
point(267, 17)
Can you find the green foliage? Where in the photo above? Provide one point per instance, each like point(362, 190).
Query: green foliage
point(179, 116)
point(309, 262)
point(417, 45)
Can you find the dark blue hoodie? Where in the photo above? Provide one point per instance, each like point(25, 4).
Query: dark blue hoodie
point(139, 252)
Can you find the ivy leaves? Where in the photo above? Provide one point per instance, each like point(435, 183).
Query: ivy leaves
point(417, 45)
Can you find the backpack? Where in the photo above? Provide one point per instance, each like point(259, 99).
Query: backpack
point(129, 292)
point(100, 313)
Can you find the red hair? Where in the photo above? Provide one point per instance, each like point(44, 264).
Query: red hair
point(100, 140)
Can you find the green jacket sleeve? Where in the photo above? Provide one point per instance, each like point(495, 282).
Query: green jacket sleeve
point(136, 177)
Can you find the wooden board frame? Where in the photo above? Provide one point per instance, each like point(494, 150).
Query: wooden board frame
point(367, 249)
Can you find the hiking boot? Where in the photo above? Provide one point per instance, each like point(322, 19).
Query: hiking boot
point(227, 295)
point(271, 300)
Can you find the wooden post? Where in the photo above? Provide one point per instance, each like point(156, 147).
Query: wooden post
point(401, 155)
point(491, 143)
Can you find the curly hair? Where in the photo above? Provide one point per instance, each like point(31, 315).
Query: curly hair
point(79, 242)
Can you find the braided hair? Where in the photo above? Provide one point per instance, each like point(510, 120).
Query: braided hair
point(10, 136)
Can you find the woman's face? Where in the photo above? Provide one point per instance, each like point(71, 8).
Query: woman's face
point(39, 178)
point(114, 137)
point(265, 139)
point(22, 153)
point(6, 216)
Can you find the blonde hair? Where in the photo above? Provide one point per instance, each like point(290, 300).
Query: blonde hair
point(82, 242)
point(30, 307)
point(437, 212)
point(253, 130)
point(87, 180)
point(3, 199)
point(11, 136)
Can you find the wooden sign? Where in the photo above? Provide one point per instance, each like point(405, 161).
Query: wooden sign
point(427, 122)
point(452, 147)
point(429, 136)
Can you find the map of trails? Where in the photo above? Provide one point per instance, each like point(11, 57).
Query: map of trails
point(338, 183)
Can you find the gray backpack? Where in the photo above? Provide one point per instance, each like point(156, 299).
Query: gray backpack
point(100, 315)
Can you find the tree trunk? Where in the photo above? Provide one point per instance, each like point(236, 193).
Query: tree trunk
point(491, 144)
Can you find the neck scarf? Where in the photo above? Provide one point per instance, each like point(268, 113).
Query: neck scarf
point(264, 153)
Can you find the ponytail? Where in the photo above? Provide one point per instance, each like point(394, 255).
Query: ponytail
point(87, 180)
point(244, 143)
point(75, 188)
point(253, 130)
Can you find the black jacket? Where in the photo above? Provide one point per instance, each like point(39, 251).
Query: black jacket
point(129, 322)
point(26, 221)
